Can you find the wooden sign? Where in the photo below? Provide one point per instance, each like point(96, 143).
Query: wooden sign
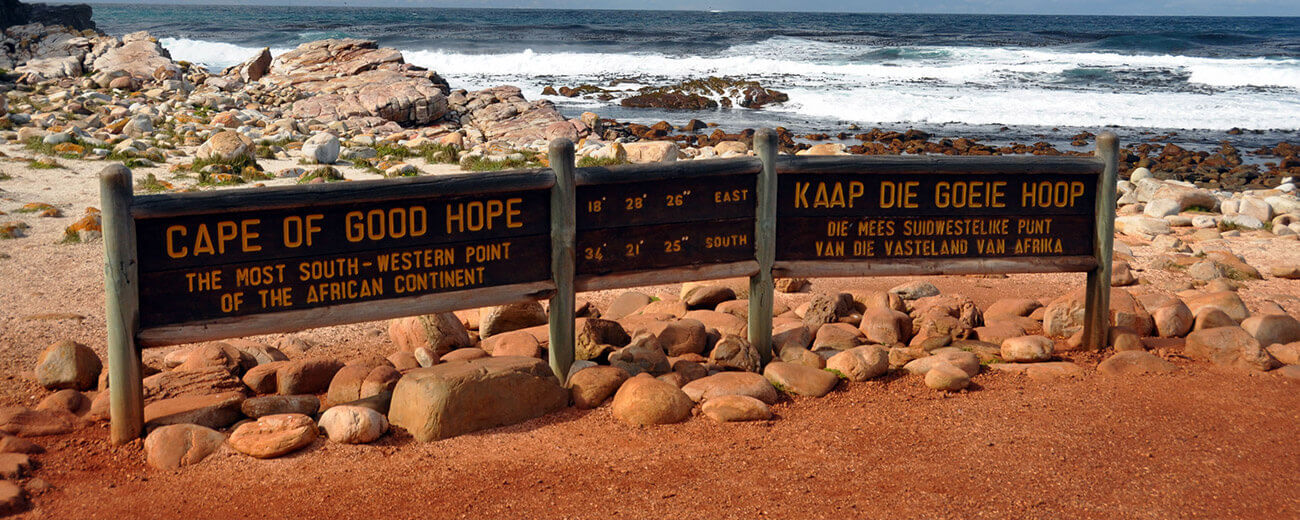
point(183, 268)
point(867, 216)
point(201, 262)
point(667, 216)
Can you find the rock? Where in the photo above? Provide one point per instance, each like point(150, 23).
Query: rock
point(1135, 363)
point(1211, 317)
point(361, 380)
point(946, 377)
point(254, 69)
point(322, 148)
point(736, 408)
point(227, 146)
point(66, 400)
point(213, 411)
point(1027, 349)
point(915, 290)
point(1173, 319)
point(679, 337)
point(1291, 372)
point(594, 337)
point(644, 401)
point(140, 56)
point(702, 295)
point(1287, 271)
point(12, 498)
point(1288, 354)
point(643, 354)
point(514, 343)
point(261, 379)
point(274, 435)
point(307, 376)
point(68, 364)
point(731, 383)
point(12, 444)
point(737, 353)
point(625, 304)
point(506, 318)
point(25, 422)
point(645, 152)
point(211, 356)
point(800, 379)
point(353, 424)
point(1227, 301)
point(1012, 307)
point(886, 327)
point(176, 445)
point(802, 356)
point(967, 361)
point(465, 354)
point(1064, 316)
point(826, 308)
point(860, 363)
point(1143, 227)
point(1229, 346)
point(280, 404)
point(1270, 329)
point(455, 398)
point(591, 386)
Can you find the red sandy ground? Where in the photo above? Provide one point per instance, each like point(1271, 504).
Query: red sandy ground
point(1206, 443)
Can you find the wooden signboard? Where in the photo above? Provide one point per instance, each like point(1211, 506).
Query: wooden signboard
point(192, 267)
point(665, 222)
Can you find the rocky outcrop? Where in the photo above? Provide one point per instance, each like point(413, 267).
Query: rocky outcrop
point(73, 16)
point(351, 79)
point(502, 114)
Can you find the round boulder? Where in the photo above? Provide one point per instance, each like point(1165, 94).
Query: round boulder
point(1027, 349)
point(68, 364)
point(860, 363)
point(353, 424)
point(644, 400)
point(274, 435)
point(736, 408)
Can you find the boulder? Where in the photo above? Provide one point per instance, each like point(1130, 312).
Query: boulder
point(886, 327)
point(736, 408)
point(353, 424)
point(800, 379)
point(274, 435)
point(591, 386)
point(261, 379)
point(625, 304)
point(1287, 354)
point(1229, 346)
point(322, 148)
point(68, 364)
point(506, 318)
point(140, 56)
point(515, 343)
point(1227, 301)
point(643, 354)
point(644, 401)
point(306, 376)
point(1027, 349)
point(1064, 316)
point(802, 356)
point(256, 407)
point(1173, 319)
point(648, 152)
point(705, 295)
point(1012, 307)
point(253, 69)
point(946, 377)
point(66, 400)
point(455, 398)
point(25, 422)
point(227, 146)
point(1135, 363)
point(967, 361)
point(1270, 329)
point(838, 336)
point(915, 290)
point(213, 411)
point(678, 337)
point(860, 363)
point(594, 337)
point(736, 353)
point(731, 383)
point(361, 380)
point(176, 445)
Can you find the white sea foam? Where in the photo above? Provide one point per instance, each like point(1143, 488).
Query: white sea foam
point(972, 85)
point(214, 55)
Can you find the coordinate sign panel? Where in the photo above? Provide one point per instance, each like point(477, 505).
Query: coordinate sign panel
point(868, 217)
point(246, 261)
point(661, 224)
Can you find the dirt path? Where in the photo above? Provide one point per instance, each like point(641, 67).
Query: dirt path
point(1202, 444)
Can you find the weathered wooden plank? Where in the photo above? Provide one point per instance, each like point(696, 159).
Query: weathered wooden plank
point(834, 238)
point(281, 197)
point(927, 266)
point(563, 232)
point(292, 321)
point(938, 165)
point(1096, 331)
point(673, 171)
point(606, 251)
point(121, 288)
point(667, 276)
point(686, 199)
point(761, 284)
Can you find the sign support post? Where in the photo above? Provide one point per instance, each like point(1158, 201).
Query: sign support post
point(761, 285)
point(563, 235)
point(122, 291)
point(1096, 331)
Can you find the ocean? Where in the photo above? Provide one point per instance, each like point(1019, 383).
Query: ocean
point(994, 77)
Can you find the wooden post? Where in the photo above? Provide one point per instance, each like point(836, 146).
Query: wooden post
point(1096, 331)
point(563, 234)
point(125, 390)
point(761, 285)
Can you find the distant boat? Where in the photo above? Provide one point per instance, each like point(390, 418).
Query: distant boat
point(716, 11)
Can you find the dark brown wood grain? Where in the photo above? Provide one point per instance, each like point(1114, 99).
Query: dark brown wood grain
point(615, 250)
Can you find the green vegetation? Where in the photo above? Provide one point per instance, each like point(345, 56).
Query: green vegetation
point(394, 150)
point(70, 237)
point(483, 164)
point(782, 388)
point(150, 184)
point(1199, 209)
point(236, 165)
point(587, 161)
point(44, 165)
point(328, 173)
point(837, 373)
point(439, 154)
point(4, 176)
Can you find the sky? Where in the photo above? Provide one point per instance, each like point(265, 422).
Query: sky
point(1106, 7)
